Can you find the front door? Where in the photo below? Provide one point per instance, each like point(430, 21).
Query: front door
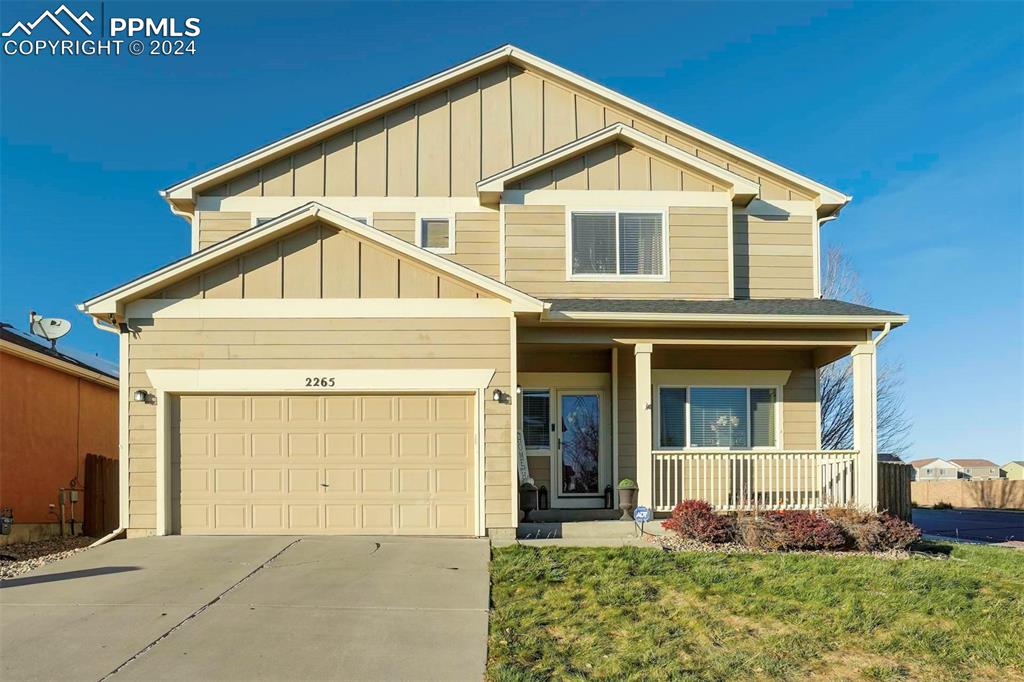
point(581, 470)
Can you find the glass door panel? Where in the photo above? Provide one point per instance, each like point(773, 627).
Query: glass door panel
point(580, 449)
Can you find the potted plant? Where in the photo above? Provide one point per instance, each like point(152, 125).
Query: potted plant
point(627, 498)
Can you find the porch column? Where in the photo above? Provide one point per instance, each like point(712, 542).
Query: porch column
point(644, 440)
point(865, 433)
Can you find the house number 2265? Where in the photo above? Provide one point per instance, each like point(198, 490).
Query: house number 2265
point(320, 381)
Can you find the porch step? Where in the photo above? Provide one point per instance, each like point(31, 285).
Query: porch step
point(579, 530)
point(563, 515)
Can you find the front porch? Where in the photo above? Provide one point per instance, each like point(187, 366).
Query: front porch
point(723, 414)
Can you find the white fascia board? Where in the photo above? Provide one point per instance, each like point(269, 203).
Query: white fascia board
point(740, 186)
point(186, 189)
point(112, 302)
point(726, 319)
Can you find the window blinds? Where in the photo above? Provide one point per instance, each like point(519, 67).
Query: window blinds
point(672, 407)
point(536, 419)
point(640, 244)
point(762, 417)
point(593, 243)
point(718, 417)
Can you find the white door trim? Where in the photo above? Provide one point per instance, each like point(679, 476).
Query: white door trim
point(596, 501)
point(169, 383)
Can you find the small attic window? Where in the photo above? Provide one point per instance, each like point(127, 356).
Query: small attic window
point(437, 235)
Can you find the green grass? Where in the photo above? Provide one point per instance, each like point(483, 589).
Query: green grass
point(635, 613)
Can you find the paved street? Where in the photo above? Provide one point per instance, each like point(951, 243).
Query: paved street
point(983, 525)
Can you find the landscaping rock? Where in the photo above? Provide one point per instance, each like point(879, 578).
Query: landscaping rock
point(26, 556)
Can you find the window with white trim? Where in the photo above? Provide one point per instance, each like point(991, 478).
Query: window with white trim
point(436, 234)
point(718, 417)
point(537, 419)
point(617, 243)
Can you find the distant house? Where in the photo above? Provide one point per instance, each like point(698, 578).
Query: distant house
point(889, 457)
point(54, 409)
point(978, 469)
point(935, 469)
point(1014, 470)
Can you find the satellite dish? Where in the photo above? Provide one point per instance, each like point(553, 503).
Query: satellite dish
point(49, 328)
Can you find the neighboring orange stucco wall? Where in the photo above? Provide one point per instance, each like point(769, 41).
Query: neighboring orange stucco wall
point(49, 421)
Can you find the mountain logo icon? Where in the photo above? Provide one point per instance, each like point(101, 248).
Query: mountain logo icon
point(68, 15)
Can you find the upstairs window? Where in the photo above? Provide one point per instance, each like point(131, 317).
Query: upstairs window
point(436, 234)
point(622, 244)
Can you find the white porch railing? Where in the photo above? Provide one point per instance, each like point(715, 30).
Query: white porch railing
point(737, 481)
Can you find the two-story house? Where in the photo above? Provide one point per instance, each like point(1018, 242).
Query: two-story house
point(934, 469)
point(978, 469)
point(375, 305)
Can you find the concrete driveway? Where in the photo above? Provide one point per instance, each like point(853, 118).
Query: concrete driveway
point(244, 608)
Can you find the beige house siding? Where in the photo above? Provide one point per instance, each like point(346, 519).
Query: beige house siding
point(476, 236)
point(535, 258)
point(445, 142)
point(216, 226)
point(774, 256)
point(321, 262)
point(619, 166)
point(256, 344)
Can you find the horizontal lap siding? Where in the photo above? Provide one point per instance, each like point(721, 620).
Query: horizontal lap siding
point(216, 226)
point(535, 239)
point(318, 344)
point(774, 256)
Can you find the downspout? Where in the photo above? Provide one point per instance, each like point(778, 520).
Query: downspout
point(885, 332)
point(120, 530)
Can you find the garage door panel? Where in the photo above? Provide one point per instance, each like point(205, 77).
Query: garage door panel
point(303, 445)
point(369, 464)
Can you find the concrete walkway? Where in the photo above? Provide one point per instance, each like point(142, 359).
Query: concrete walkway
point(251, 608)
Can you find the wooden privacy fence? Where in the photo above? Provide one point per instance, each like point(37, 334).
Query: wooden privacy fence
point(735, 481)
point(894, 488)
point(101, 496)
point(997, 493)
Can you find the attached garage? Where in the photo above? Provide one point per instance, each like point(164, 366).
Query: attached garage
point(335, 464)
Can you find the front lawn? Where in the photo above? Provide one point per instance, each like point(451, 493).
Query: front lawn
point(572, 613)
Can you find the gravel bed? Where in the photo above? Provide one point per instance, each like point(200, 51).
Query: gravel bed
point(673, 543)
point(25, 556)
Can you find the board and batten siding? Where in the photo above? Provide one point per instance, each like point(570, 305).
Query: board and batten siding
point(321, 262)
point(619, 166)
point(444, 143)
point(535, 257)
point(255, 344)
point(476, 233)
point(774, 256)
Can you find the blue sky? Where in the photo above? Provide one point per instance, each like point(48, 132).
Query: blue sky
point(915, 109)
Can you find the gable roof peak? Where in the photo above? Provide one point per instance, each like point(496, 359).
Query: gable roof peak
point(183, 194)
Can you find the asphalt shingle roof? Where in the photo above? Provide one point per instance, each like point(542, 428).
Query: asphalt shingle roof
point(761, 306)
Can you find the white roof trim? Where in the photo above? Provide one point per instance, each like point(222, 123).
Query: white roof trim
point(742, 188)
point(112, 302)
point(186, 189)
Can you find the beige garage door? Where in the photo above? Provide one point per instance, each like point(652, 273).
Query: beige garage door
point(324, 464)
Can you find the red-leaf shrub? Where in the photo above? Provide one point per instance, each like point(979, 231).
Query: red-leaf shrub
point(697, 520)
point(897, 533)
point(787, 530)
